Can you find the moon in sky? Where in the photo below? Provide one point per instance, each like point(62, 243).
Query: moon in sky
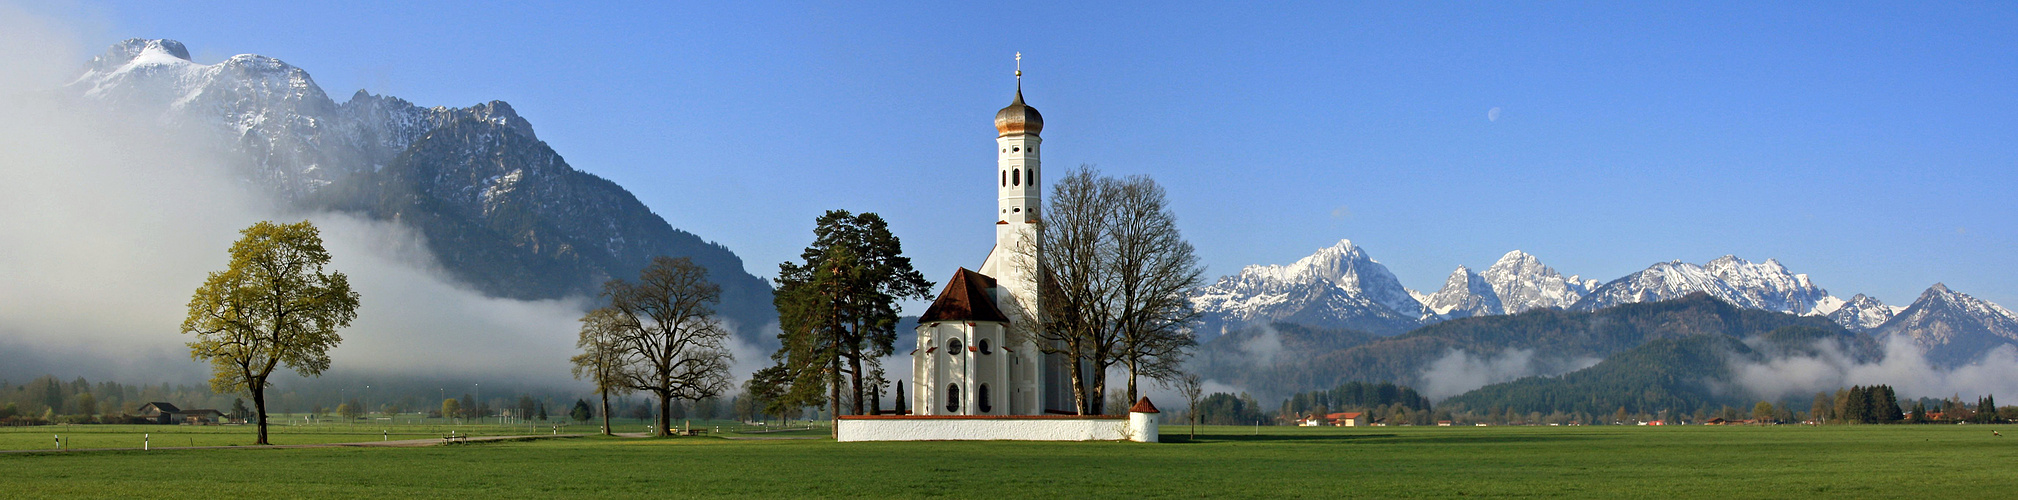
point(1492, 115)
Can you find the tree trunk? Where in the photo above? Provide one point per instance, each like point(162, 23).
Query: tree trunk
point(855, 376)
point(1099, 396)
point(834, 398)
point(665, 414)
point(1132, 395)
point(259, 404)
point(606, 412)
point(1079, 402)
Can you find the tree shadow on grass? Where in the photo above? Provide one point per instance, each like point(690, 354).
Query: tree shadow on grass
point(1274, 438)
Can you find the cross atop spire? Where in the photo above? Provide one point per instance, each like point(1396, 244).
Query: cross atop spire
point(1019, 68)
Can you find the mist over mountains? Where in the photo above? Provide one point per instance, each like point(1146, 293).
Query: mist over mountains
point(500, 210)
point(1334, 317)
point(474, 245)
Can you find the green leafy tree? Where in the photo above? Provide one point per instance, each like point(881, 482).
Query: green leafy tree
point(87, 405)
point(581, 411)
point(238, 410)
point(837, 309)
point(1762, 412)
point(273, 305)
point(451, 408)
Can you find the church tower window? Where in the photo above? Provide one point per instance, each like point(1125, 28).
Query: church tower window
point(983, 344)
point(985, 405)
point(1005, 178)
point(1016, 176)
point(952, 398)
point(1030, 177)
point(953, 347)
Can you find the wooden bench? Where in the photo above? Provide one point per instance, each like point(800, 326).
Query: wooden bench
point(455, 438)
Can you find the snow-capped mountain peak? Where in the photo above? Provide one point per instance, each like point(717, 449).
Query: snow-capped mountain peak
point(1766, 285)
point(1953, 327)
point(1464, 294)
point(1340, 283)
point(1861, 313)
point(1522, 282)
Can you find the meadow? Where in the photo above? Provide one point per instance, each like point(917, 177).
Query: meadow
point(290, 431)
point(1670, 462)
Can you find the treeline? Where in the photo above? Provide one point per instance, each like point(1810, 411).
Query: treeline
point(47, 400)
point(1381, 401)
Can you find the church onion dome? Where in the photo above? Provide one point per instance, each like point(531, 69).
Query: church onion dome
point(965, 298)
point(1019, 118)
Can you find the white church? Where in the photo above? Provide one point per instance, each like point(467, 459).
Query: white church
point(974, 354)
point(977, 370)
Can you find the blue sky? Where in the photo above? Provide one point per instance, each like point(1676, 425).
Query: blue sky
point(1872, 146)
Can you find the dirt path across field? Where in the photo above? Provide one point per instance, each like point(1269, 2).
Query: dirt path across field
point(403, 443)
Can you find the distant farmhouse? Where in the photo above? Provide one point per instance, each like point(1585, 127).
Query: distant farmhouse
point(1346, 419)
point(167, 414)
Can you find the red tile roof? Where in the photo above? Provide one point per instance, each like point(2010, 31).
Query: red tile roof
point(965, 298)
point(1143, 406)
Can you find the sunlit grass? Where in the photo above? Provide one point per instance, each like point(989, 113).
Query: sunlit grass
point(1638, 462)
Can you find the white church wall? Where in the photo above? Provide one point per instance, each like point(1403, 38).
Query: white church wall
point(1024, 428)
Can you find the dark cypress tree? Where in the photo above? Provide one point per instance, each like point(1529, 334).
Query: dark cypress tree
point(902, 407)
point(1887, 404)
point(1857, 406)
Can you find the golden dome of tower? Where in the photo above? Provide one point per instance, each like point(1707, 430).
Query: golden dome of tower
point(1019, 118)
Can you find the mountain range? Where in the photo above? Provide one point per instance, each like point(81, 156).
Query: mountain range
point(501, 210)
point(1343, 288)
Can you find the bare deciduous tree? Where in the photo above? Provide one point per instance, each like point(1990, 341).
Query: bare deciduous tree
point(670, 337)
point(1154, 270)
point(602, 357)
point(1113, 277)
point(1193, 388)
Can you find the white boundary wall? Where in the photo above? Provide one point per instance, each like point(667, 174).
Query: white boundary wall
point(1025, 428)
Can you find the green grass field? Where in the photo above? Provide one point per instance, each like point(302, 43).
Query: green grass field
point(1670, 462)
point(84, 437)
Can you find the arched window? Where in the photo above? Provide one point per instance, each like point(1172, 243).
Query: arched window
point(1030, 177)
point(986, 406)
point(1016, 176)
point(952, 398)
point(952, 347)
point(1005, 178)
point(983, 344)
